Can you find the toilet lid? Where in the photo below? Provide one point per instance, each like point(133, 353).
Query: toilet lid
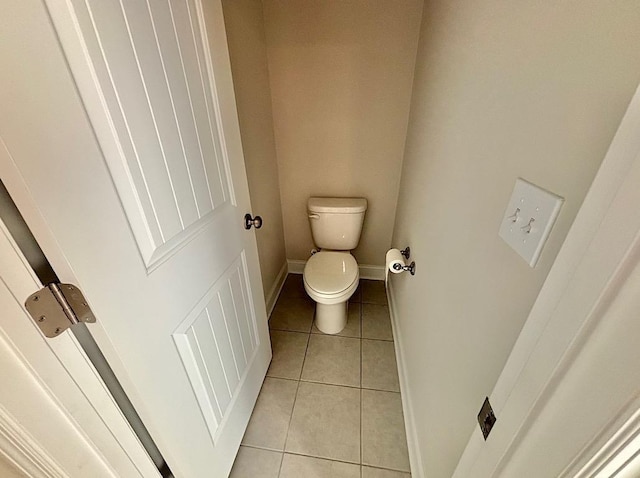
point(329, 272)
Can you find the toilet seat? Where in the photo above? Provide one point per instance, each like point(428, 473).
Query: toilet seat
point(329, 276)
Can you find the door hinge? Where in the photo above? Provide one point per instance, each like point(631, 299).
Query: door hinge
point(56, 307)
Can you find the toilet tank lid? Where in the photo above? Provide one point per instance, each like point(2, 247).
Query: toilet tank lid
point(337, 205)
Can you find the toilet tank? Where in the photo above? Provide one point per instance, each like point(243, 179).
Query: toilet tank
point(336, 223)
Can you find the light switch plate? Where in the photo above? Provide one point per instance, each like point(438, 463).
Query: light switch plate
point(528, 219)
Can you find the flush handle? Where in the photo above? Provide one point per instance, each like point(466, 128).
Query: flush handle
point(252, 221)
point(314, 216)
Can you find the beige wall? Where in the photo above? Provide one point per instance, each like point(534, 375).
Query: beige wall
point(247, 48)
point(341, 75)
point(501, 90)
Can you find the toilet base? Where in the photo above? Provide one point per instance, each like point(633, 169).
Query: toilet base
point(331, 318)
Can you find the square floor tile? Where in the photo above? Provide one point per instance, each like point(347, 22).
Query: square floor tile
point(253, 463)
point(384, 442)
point(326, 422)
point(293, 314)
point(296, 466)
point(368, 472)
point(376, 323)
point(379, 368)
point(352, 329)
point(288, 354)
point(271, 415)
point(294, 287)
point(373, 292)
point(334, 360)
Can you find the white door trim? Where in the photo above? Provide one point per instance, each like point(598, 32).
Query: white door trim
point(619, 451)
point(21, 450)
point(599, 252)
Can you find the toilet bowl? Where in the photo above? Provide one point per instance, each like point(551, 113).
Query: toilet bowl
point(330, 279)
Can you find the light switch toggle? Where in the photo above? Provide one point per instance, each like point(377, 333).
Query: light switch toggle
point(528, 226)
point(515, 216)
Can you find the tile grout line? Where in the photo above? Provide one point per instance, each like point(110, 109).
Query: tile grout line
point(295, 399)
point(336, 335)
point(281, 462)
point(294, 331)
point(324, 458)
point(284, 447)
point(356, 387)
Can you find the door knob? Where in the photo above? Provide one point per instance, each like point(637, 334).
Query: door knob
point(252, 221)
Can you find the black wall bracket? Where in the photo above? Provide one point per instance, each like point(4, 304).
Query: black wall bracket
point(486, 418)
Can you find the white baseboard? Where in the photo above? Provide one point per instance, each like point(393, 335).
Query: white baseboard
point(274, 293)
point(296, 266)
point(371, 272)
point(366, 271)
point(415, 457)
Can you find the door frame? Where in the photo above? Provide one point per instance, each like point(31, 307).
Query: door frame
point(600, 251)
point(58, 418)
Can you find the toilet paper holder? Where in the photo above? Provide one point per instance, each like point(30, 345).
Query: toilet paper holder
point(406, 252)
point(411, 267)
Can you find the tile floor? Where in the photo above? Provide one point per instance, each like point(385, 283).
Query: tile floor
point(330, 405)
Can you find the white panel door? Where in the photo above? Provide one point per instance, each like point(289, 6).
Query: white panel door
point(120, 122)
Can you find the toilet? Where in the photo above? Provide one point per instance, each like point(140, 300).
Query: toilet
point(331, 275)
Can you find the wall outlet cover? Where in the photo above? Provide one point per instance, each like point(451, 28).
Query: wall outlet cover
point(528, 219)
